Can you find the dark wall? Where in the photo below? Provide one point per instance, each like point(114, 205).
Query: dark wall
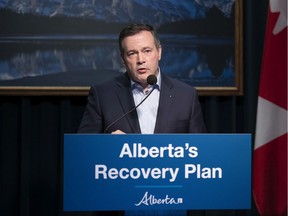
point(32, 128)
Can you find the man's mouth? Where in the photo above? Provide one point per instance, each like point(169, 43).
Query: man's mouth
point(142, 70)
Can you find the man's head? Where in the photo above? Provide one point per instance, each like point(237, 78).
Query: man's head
point(140, 50)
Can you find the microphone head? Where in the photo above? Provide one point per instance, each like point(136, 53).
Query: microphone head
point(151, 79)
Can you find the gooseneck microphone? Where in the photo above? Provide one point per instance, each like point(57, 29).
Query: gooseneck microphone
point(151, 80)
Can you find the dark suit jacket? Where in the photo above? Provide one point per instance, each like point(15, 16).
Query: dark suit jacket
point(179, 110)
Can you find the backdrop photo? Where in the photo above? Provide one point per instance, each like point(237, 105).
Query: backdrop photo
point(63, 47)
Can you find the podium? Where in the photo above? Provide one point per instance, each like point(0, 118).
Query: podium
point(156, 172)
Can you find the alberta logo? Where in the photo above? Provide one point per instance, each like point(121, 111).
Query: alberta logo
point(150, 199)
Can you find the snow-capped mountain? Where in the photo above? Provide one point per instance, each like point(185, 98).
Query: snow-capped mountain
point(121, 11)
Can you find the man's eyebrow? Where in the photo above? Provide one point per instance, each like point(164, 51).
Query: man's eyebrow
point(132, 50)
point(147, 47)
point(143, 48)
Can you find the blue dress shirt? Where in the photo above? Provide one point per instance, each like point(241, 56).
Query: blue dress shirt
point(147, 111)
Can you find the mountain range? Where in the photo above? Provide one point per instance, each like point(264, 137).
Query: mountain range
point(121, 11)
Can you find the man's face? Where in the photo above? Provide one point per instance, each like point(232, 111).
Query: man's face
point(141, 56)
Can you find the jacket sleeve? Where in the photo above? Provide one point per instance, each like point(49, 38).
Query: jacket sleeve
point(196, 122)
point(91, 121)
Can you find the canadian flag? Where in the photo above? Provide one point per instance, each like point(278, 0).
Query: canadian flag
point(270, 150)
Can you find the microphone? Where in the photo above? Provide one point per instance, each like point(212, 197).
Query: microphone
point(151, 80)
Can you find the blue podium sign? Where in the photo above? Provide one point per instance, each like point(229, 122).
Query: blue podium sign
point(149, 172)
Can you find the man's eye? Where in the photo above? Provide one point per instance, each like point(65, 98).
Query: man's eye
point(147, 50)
point(131, 53)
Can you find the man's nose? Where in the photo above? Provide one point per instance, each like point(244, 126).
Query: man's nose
point(140, 58)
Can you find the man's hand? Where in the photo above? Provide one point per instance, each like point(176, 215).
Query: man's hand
point(118, 132)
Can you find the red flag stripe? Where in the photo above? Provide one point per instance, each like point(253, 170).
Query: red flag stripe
point(273, 84)
point(270, 183)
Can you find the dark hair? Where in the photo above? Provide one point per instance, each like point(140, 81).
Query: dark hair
point(134, 29)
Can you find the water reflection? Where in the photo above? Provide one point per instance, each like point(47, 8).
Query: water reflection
point(195, 63)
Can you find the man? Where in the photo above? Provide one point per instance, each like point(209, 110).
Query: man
point(172, 106)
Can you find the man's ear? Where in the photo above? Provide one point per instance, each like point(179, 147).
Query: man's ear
point(160, 52)
point(122, 59)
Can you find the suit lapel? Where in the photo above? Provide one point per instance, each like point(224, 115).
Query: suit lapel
point(165, 102)
point(125, 97)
